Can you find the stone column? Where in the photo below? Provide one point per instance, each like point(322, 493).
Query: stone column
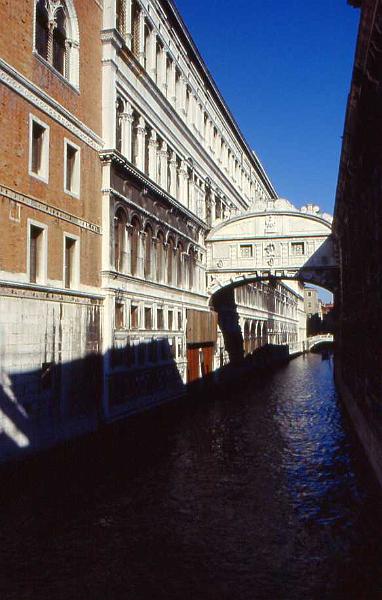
point(151, 54)
point(200, 119)
point(141, 135)
point(127, 266)
point(213, 207)
point(163, 157)
point(183, 88)
point(127, 130)
point(211, 140)
point(154, 258)
point(128, 25)
point(183, 182)
point(192, 111)
point(208, 134)
point(141, 254)
point(171, 92)
point(163, 71)
point(191, 193)
point(173, 174)
point(153, 146)
point(141, 53)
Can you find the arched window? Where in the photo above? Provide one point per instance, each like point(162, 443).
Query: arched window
point(120, 222)
point(179, 265)
point(148, 252)
point(118, 124)
point(57, 36)
point(135, 227)
point(160, 256)
point(170, 260)
point(42, 29)
point(59, 42)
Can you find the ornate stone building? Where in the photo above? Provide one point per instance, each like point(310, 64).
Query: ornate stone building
point(50, 246)
point(174, 165)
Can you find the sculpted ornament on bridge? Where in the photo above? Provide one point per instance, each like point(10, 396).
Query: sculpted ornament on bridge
point(273, 240)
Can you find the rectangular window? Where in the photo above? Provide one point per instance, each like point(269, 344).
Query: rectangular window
point(160, 319)
point(38, 149)
point(170, 315)
point(246, 251)
point(36, 254)
point(72, 169)
point(180, 321)
point(298, 249)
point(119, 315)
point(71, 262)
point(148, 318)
point(134, 323)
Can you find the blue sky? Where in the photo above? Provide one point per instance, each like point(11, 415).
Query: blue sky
point(284, 68)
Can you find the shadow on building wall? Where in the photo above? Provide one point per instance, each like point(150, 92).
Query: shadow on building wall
point(45, 407)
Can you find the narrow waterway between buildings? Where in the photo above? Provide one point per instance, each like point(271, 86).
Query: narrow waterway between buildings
point(261, 493)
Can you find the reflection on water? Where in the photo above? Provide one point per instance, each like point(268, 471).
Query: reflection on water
point(261, 494)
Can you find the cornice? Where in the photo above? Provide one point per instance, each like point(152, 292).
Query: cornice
point(116, 158)
point(48, 209)
point(169, 7)
point(41, 100)
point(45, 292)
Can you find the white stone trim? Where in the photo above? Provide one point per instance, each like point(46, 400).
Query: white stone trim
point(43, 278)
point(44, 175)
point(75, 283)
point(48, 210)
point(76, 193)
point(41, 100)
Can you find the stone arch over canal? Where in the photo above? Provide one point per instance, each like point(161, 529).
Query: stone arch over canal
point(274, 241)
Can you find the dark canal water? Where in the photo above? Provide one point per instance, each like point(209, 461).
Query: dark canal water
point(260, 494)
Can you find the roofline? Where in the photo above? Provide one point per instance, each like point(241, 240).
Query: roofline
point(169, 5)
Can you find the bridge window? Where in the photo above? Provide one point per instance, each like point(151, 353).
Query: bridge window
point(246, 251)
point(298, 248)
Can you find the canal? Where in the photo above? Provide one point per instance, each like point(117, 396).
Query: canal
point(262, 493)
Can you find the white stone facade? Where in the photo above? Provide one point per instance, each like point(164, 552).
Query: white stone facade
point(175, 165)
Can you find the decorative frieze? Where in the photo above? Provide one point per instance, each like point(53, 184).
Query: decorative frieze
point(16, 290)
